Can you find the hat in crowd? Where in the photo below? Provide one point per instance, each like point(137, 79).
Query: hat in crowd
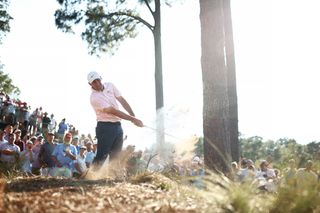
point(83, 147)
point(89, 142)
point(75, 138)
point(51, 133)
point(250, 162)
point(29, 142)
point(40, 136)
point(93, 76)
point(33, 138)
point(68, 135)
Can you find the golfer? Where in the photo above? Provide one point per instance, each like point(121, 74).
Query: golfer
point(109, 132)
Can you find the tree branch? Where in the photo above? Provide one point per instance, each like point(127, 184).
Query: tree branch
point(148, 5)
point(138, 18)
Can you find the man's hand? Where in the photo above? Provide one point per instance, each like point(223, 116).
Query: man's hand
point(137, 122)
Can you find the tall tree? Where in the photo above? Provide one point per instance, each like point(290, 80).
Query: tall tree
point(107, 23)
point(232, 83)
point(4, 18)
point(219, 104)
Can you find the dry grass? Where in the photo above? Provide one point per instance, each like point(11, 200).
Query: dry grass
point(149, 192)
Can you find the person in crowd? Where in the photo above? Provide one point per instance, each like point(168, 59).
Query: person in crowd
point(90, 153)
point(63, 157)
point(25, 117)
point(233, 170)
point(243, 173)
point(8, 130)
point(45, 153)
point(75, 142)
point(80, 167)
point(265, 177)
point(10, 112)
point(19, 142)
point(265, 171)
point(53, 123)
point(62, 129)
point(33, 122)
point(2, 134)
point(39, 119)
point(26, 158)
point(306, 178)
point(289, 174)
point(9, 152)
point(104, 98)
point(36, 166)
point(45, 123)
point(251, 166)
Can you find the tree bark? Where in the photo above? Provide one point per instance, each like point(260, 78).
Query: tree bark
point(217, 145)
point(232, 87)
point(158, 78)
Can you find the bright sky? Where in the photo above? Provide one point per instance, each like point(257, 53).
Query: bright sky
point(276, 44)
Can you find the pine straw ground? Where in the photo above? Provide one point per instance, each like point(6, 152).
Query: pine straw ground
point(149, 192)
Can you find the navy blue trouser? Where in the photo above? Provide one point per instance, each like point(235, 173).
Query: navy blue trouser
point(110, 140)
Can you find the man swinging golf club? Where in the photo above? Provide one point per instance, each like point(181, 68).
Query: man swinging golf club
point(109, 132)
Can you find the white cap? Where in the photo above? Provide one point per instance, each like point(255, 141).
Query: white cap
point(93, 76)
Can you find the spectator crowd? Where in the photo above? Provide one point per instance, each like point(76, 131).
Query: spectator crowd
point(266, 178)
point(36, 144)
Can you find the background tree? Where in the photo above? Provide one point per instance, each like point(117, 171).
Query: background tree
point(4, 18)
point(219, 103)
point(6, 84)
point(107, 23)
point(231, 80)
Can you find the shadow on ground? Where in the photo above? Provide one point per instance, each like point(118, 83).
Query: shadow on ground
point(35, 184)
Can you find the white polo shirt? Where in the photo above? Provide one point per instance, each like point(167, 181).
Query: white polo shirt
point(104, 99)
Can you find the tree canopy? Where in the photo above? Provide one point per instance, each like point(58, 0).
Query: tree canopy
point(6, 84)
point(4, 19)
point(106, 23)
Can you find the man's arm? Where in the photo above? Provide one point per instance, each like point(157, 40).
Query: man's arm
point(8, 152)
point(56, 162)
point(123, 115)
point(125, 105)
point(70, 155)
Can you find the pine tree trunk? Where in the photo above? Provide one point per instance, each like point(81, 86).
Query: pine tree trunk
point(217, 146)
point(158, 78)
point(232, 87)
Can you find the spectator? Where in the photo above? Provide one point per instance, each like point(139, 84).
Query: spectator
point(45, 153)
point(80, 167)
point(75, 142)
point(90, 154)
point(26, 158)
point(289, 174)
point(306, 178)
point(53, 123)
point(2, 134)
point(33, 122)
point(36, 166)
point(9, 152)
point(63, 156)
point(265, 177)
point(62, 128)
point(8, 130)
point(39, 119)
point(45, 123)
point(19, 142)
